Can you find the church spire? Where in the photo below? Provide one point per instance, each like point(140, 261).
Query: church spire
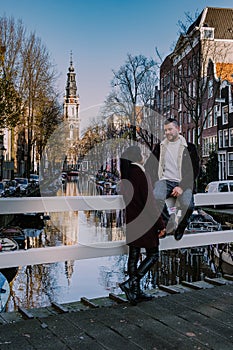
point(71, 102)
point(71, 87)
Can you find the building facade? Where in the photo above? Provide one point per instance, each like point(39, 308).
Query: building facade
point(225, 126)
point(191, 76)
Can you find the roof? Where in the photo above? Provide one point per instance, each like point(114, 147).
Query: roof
point(224, 71)
point(221, 19)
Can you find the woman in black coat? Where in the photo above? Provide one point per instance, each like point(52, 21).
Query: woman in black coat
point(144, 224)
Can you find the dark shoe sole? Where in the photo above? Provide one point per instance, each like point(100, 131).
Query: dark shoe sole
point(178, 235)
point(144, 298)
point(126, 290)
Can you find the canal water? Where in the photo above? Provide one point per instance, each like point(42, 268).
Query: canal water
point(63, 282)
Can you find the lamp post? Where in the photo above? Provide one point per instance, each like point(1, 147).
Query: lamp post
point(2, 150)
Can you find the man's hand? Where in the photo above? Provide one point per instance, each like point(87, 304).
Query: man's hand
point(162, 233)
point(177, 191)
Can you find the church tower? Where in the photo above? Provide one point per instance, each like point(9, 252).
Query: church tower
point(71, 103)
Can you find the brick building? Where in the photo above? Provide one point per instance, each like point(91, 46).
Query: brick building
point(191, 77)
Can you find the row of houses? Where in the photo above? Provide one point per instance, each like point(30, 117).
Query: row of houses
point(196, 85)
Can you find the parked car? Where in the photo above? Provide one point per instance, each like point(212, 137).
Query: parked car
point(23, 184)
point(219, 186)
point(34, 180)
point(2, 187)
point(10, 187)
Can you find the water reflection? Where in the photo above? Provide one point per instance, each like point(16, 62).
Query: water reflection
point(39, 285)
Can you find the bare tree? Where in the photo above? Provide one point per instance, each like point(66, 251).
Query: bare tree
point(133, 89)
point(10, 104)
point(29, 78)
point(36, 83)
point(11, 38)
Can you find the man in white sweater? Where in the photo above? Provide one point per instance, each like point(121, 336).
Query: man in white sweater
point(174, 167)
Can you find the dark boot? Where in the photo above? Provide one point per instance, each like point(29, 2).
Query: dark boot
point(142, 296)
point(179, 232)
point(151, 258)
point(129, 287)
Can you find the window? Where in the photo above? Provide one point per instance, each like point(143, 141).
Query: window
point(220, 139)
point(164, 101)
point(189, 135)
point(180, 74)
point(180, 120)
point(189, 117)
point(231, 137)
point(223, 187)
point(205, 119)
point(180, 100)
point(215, 142)
point(209, 119)
point(225, 138)
point(194, 131)
point(215, 116)
point(168, 81)
point(194, 62)
point(207, 33)
point(199, 132)
point(190, 89)
point(210, 88)
point(172, 97)
point(230, 163)
point(194, 88)
point(168, 99)
point(189, 67)
point(225, 114)
point(161, 84)
point(231, 186)
point(222, 165)
point(205, 148)
point(185, 118)
point(212, 143)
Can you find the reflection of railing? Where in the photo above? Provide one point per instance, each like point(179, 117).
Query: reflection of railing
point(62, 253)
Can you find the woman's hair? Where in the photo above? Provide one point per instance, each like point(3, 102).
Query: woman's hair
point(130, 155)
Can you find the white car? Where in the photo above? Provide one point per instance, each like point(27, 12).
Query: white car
point(219, 186)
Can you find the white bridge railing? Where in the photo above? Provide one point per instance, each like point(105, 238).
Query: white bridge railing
point(79, 203)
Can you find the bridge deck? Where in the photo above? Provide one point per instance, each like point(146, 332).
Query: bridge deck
point(186, 319)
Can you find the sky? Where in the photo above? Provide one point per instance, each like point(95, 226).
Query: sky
point(100, 34)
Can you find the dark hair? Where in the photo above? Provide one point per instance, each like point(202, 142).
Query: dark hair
point(130, 155)
point(172, 120)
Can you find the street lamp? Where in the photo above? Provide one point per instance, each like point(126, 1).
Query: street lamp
point(2, 150)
